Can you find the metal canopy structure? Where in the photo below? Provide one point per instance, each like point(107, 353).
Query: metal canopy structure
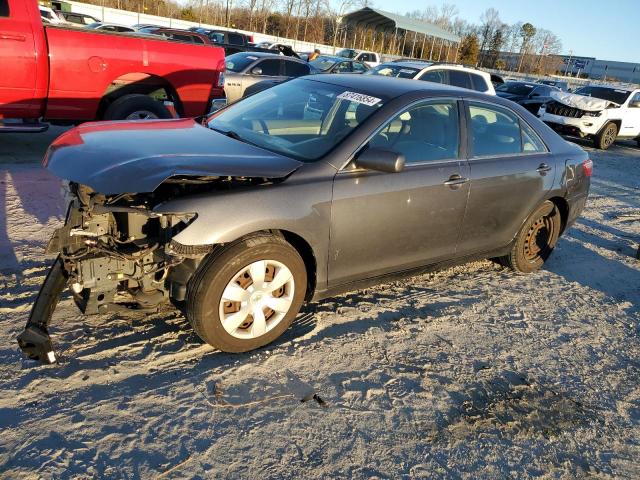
point(379, 20)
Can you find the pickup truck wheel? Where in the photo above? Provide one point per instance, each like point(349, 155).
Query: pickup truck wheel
point(136, 107)
point(535, 240)
point(607, 136)
point(247, 295)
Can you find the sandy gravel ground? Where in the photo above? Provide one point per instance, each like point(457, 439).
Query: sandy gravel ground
point(473, 372)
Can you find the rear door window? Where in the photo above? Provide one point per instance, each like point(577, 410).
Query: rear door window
point(295, 69)
point(437, 76)
point(270, 67)
point(235, 39)
point(479, 83)
point(343, 67)
point(4, 8)
point(493, 131)
point(458, 78)
point(359, 67)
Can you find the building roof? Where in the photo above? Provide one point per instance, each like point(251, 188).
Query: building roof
point(381, 20)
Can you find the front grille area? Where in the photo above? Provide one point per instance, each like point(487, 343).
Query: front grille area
point(557, 108)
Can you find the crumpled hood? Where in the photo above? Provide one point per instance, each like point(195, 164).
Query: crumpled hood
point(582, 102)
point(136, 157)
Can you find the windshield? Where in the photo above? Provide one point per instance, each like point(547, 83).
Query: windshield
point(239, 61)
point(516, 88)
point(323, 63)
point(347, 53)
point(389, 70)
point(302, 118)
point(604, 93)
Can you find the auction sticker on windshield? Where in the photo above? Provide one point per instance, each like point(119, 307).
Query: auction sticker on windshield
point(359, 98)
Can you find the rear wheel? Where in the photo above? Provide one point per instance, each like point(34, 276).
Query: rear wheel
point(606, 137)
point(136, 107)
point(536, 240)
point(247, 295)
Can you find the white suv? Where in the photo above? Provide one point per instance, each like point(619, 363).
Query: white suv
point(450, 74)
point(599, 112)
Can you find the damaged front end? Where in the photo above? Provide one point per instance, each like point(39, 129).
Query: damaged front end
point(114, 252)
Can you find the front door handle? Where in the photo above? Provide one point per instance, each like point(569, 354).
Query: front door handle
point(8, 36)
point(543, 168)
point(455, 181)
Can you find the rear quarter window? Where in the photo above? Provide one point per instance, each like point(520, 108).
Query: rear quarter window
point(4, 8)
point(479, 83)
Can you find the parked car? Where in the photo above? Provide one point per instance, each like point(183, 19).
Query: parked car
point(496, 80)
point(334, 64)
point(600, 113)
point(530, 95)
point(245, 69)
point(372, 59)
point(448, 74)
point(73, 75)
point(559, 84)
point(320, 185)
point(177, 35)
point(50, 16)
point(77, 18)
point(110, 27)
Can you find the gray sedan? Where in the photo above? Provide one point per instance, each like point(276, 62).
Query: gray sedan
point(317, 186)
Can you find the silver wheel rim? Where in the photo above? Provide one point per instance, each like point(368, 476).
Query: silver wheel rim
point(142, 115)
point(609, 136)
point(256, 299)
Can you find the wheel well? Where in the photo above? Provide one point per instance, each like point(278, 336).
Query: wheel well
point(563, 207)
point(306, 252)
point(139, 83)
point(618, 124)
point(302, 247)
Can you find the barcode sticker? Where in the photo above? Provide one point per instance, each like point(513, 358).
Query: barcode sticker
point(359, 98)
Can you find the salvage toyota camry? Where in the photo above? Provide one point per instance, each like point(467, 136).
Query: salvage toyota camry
point(313, 187)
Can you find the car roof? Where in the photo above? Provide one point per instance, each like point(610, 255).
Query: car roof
point(417, 64)
point(389, 86)
point(337, 58)
point(268, 55)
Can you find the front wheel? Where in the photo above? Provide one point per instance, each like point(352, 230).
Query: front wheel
point(247, 295)
point(536, 240)
point(606, 137)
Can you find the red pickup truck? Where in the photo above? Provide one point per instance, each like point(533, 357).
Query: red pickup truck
point(64, 74)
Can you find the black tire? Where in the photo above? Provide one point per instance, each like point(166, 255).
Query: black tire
point(205, 289)
point(536, 240)
point(638, 141)
point(129, 105)
point(605, 138)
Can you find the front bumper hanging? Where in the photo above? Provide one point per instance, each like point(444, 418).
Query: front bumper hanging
point(34, 341)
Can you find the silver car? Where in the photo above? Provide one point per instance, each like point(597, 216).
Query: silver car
point(245, 69)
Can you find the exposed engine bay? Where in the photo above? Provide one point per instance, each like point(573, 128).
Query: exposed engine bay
point(114, 252)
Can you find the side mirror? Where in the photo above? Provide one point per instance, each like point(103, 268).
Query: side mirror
point(380, 160)
point(257, 71)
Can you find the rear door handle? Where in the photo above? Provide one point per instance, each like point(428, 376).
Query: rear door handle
point(8, 36)
point(456, 180)
point(543, 168)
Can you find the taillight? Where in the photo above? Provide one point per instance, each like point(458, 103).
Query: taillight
point(587, 167)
